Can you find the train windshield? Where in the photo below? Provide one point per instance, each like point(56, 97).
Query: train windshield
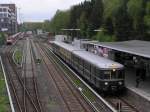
point(110, 74)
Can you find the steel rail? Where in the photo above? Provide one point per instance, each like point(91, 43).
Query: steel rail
point(56, 72)
point(34, 78)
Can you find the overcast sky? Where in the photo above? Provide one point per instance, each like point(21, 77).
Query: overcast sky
point(39, 10)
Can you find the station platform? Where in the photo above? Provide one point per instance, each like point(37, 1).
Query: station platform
point(143, 89)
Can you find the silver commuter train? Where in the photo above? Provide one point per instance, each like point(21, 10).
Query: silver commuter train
point(104, 74)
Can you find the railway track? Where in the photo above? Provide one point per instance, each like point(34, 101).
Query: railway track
point(121, 105)
point(71, 98)
point(13, 84)
point(24, 80)
point(23, 97)
point(30, 84)
point(37, 98)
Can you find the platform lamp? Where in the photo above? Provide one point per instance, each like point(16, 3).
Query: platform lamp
point(98, 30)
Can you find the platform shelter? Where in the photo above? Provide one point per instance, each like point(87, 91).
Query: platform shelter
point(134, 54)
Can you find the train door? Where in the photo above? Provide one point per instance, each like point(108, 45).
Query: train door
point(93, 74)
point(148, 68)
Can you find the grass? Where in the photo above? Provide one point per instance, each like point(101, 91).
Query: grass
point(18, 57)
point(4, 100)
point(78, 83)
point(89, 94)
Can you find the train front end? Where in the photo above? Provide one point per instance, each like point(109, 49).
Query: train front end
point(113, 80)
point(9, 41)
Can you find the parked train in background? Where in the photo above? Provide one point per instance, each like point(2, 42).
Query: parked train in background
point(105, 74)
point(11, 39)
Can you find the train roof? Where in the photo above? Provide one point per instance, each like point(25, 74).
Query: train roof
point(13, 36)
point(135, 47)
point(66, 46)
point(98, 61)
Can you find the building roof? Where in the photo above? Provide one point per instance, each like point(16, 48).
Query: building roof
point(135, 47)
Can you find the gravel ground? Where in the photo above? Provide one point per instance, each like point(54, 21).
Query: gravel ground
point(51, 100)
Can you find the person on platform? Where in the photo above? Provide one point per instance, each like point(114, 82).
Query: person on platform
point(138, 76)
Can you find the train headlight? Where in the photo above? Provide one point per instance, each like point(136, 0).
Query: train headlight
point(114, 70)
point(106, 83)
point(120, 83)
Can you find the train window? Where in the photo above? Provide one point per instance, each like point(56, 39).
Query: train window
point(106, 74)
point(86, 65)
point(114, 75)
point(73, 58)
point(80, 67)
point(76, 61)
point(93, 71)
point(80, 61)
point(117, 74)
point(98, 73)
point(87, 73)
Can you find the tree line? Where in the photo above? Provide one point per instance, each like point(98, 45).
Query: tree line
point(105, 20)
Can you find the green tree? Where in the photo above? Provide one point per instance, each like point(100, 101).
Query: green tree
point(75, 13)
point(96, 17)
point(2, 38)
point(136, 10)
point(59, 21)
point(82, 24)
point(122, 22)
point(33, 26)
point(46, 25)
point(122, 19)
point(116, 19)
point(108, 25)
point(147, 20)
point(104, 37)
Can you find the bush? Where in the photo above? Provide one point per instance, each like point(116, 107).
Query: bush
point(2, 38)
point(103, 37)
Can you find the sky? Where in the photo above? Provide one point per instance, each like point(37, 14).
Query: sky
point(39, 10)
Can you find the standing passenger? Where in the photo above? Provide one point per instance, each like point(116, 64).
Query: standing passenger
point(143, 74)
point(137, 82)
point(138, 74)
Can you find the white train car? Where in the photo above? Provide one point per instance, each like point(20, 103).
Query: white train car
point(104, 74)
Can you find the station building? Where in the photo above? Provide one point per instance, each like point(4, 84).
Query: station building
point(8, 18)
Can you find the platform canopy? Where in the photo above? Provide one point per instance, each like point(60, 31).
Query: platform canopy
point(135, 47)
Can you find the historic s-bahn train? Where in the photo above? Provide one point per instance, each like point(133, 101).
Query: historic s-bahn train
point(106, 75)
